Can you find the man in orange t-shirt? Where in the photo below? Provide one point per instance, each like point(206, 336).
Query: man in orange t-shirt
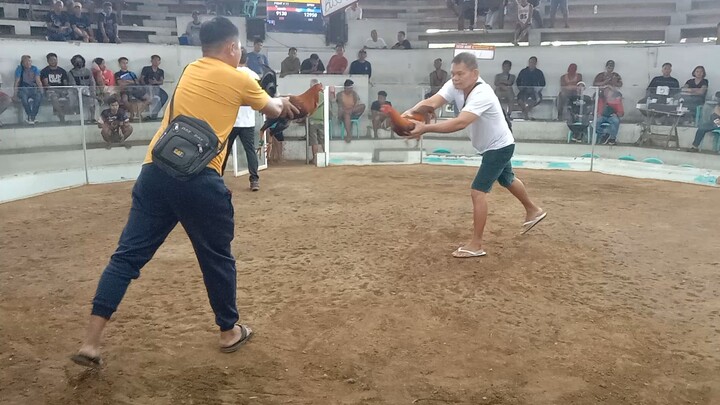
point(338, 62)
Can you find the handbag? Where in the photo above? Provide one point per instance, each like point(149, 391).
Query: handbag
point(187, 145)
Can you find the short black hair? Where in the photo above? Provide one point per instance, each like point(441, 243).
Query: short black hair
point(533, 57)
point(314, 56)
point(340, 45)
point(155, 57)
point(99, 61)
point(667, 64)
point(382, 93)
point(348, 83)
point(122, 58)
point(257, 40)
point(401, 32)
point(217, 30)
point(507, 62)
point(292, 49)
point(466, 58)
point(362, 51)
point(50, 55)
point(113, 99)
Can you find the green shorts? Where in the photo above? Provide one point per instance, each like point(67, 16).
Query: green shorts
point(495, 166)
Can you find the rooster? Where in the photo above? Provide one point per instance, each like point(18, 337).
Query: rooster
point(306, 103)
point(403, 125)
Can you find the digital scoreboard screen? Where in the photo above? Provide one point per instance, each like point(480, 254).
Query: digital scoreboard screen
point(297, 16)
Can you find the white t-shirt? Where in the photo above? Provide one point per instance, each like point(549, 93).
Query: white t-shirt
point(246, 115)
point(489, 131)
point(380, 44)
point(351, 14)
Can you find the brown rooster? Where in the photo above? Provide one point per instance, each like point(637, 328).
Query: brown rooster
point(403, 125)
point(306, 103)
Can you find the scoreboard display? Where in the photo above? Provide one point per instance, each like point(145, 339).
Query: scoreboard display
point(296, 16)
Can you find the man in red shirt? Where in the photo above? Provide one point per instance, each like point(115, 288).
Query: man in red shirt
point(610, 110)
point(338, 63)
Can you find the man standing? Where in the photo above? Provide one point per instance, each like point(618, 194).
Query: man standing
point(244, 129)
point(212, 90)
point(361, 66)
point(55, 76)
point(291, 64)
point(256, 60)
point(154, 77)
point(530, 82)
point(316, 137)
point(374, 42)
point(192, 31)
point(438, 77)
point(338, 62)
point(402, 42)
point(490, 135)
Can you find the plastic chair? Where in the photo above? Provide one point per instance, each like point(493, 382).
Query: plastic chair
point(443, 151)
point(654, 161)
point(250, 8)
point(589, 133)
point(628, 158)
point(716, 141)
point(354, 127)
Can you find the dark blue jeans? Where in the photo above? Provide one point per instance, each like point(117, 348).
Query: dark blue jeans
point(31, 98)
point(204, 208)
point(247, 138)
point(158, 91)
point(702, 130)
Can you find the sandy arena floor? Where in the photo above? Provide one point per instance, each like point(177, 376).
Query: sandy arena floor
point(346, 276)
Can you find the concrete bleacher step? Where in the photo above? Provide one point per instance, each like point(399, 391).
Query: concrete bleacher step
point(706, 16)
point(163, 39)
point(160, 23)
point(152, 8)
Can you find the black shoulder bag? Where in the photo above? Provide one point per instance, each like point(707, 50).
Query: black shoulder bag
point(187, 146)
point(505, 114)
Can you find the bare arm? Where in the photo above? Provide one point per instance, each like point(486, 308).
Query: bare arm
point(279, 107)
point(462, 121)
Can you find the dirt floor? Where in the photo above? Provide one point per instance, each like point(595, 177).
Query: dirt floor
point(346, 276)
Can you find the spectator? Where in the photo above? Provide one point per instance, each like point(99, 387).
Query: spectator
point(703, 129)
point(114, 124)
point(522, 28)
point(291, 64)
point(104, 79)
point(107, 22)
point(338, 62)
point(192, 31)
point(402, 43)
point(530, 82)
point(80, 24)
point(438, 77)
point(379, 119)
point(58, 25)
point(316, 137)
point(374, 42)
point(537, 20)
point(54, 76)
point(504, 87)
point(133, 96)
point(361, 66)
point(28, 88)
point(81, 76)
point(466, 10)
point(5, 100)
point(568, 87)
point(353, 12)
point(244, 129)
point(312, 65)
point(609, 80)
point(695, 90)
point(610, 110)
point(349, 108)
point(579, 112)
point(154, 77)
point(665, 80)
point(563, 5)
point(256, 60)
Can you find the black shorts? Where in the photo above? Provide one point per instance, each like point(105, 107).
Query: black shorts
point(495, 165)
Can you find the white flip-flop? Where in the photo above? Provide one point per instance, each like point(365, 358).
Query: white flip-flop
point(527, 226)
point(461, 253)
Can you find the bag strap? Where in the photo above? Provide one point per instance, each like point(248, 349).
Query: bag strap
point(172, 100)
point(505, 114)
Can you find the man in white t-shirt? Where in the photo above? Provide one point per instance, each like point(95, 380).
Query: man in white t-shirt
point(244, 129)
point(353, 12)
point(482, 114)
point(374, 42)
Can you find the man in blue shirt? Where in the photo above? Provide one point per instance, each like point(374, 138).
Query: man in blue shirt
point(361, 66)
point(256, 60)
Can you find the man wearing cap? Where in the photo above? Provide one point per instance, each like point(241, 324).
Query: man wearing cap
point(193, 29)
point(80, 24)
point(349, 107)
point(609, 80)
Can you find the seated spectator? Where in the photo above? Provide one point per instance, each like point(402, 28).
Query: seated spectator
point(568, 87)
point(361, 66)
point(81, 76)
point(703, 129)
point(353, 12)
point(504, 87)
point(5, 101)
point(28, 88)
point(579, 112)
point(104, 79)
point(154, 77)
point(695, 90)
point(114, 124)
point(665, 80)
point(379, 119)
point(192, 31)
point(438, 78)
point(80, 24)
point(349, 108)
point(58, 25)
point(312, 65)
point(530, 82)
point(524, 15)
point(608, 81)
point(316, 137)
point(257, 60)
point(374, 42)
point(291, 64)
point(554, 5)
point(107, 22)
point(55, 81)
point(338, 62)
point(402, 43)
point(132, 96)
point(610, 110)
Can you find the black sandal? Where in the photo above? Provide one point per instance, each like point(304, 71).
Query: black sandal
point(246, 334)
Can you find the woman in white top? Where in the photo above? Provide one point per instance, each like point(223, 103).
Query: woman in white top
point(525, 12)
